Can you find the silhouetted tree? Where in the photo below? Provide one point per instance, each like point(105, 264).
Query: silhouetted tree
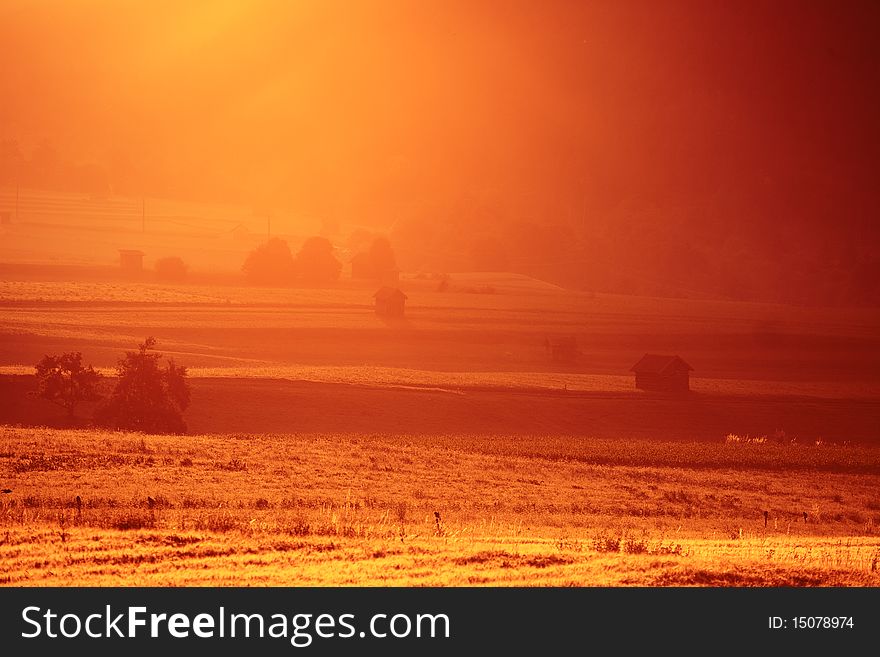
point(269, 263)
point(64, 381)
point(375, 262)
point(382, 255)
point(315, 261)
point(147, 397)
point(171, 269)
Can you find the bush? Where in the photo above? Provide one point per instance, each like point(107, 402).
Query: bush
point(171, 269)
point(64, 381)
point(147, 398)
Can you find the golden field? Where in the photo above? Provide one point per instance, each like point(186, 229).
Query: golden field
point(360, 510)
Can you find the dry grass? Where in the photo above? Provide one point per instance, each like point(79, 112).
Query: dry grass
point(298, 509)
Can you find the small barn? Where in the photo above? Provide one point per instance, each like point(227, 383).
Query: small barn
point(390, 302)
point(239, 233)
point(131, 260)
point(562, 349)
point(662, 373)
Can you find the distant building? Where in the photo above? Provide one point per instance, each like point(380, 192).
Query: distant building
point(240, 233)
point(662, 373)
point(5, 217)
point(131, 260)
point(562, 349)
point(390, 302)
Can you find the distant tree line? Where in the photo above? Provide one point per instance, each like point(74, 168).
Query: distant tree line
point(707, 250)
point(272, 263)
point(788, 237)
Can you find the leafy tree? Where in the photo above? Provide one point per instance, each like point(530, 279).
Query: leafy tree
point(64, 381)
point(147, 397)
point(315, 261)
point(376, 261)
point(270, 263)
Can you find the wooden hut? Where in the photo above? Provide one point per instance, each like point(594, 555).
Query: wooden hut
point(662, 373)
point(390, 302)
point(131, 260)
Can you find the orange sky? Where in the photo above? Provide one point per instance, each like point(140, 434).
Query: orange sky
point(359, 109)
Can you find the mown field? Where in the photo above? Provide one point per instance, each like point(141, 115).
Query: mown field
point(392, 509)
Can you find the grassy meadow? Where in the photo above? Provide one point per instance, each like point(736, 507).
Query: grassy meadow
point(392, 510)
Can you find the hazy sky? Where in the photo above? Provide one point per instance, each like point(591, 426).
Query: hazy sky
point(365, 107)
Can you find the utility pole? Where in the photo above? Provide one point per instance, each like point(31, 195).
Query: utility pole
point(143, 215)
point(17, 186)
point(268, 227)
